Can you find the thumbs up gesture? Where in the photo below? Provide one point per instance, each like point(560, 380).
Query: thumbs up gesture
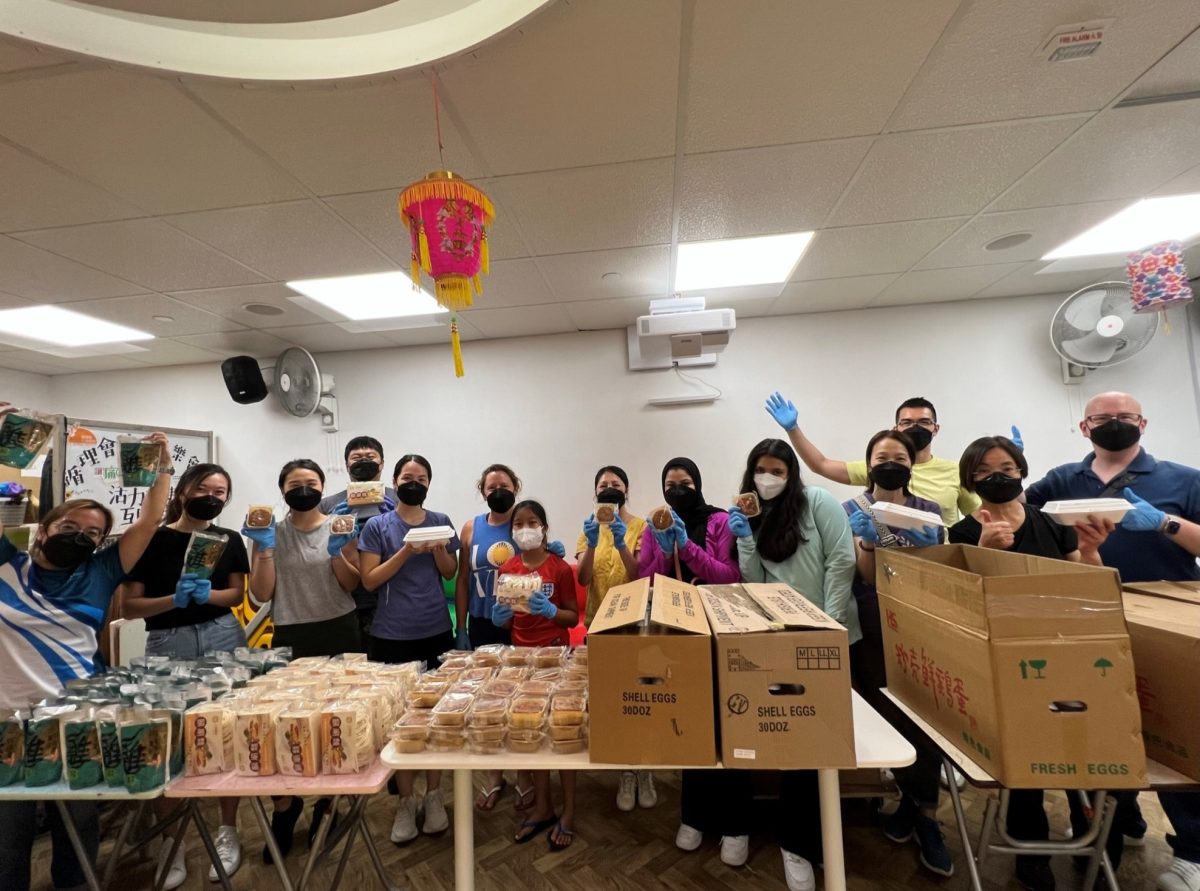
point(996, 534)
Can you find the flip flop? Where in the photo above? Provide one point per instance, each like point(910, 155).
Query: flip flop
point(522, 794)
point(491, 796)
point(535, 828)
point(568, 834)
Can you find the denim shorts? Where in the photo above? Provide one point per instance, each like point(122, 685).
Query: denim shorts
point(193, 641)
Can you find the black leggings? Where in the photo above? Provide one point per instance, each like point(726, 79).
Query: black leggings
point(424, 649)
point(721, 801)
point(331, 637)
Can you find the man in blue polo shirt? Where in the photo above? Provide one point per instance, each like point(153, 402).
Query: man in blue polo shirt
point(1158, 540)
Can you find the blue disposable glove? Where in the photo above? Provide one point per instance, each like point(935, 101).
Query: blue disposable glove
point(680, 532)
point(540, 605)
point(591, 531)
point(782, 411)
point(1016, 438)
point(342, 507)
point(264, 537)
point(557, 549)
point(863, 526)
point(925, 537)
point(665, 539)
point(1144, 517)
point(739, 524)
point(462, 640)
point(501, 613)
point(184, 589)
point(618, 530)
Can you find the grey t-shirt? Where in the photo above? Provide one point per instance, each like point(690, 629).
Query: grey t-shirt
point(306, 590)
point(363, 599)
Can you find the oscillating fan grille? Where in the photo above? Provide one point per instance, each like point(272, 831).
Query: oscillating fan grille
point(1096, 326)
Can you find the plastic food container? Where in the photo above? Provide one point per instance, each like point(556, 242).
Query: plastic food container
point(259, 516)
point(605, 512)
point(564, 732)
point(429, 534)
point(661, 519)
point(900, 517)
point(504, 688)
point(549, 657)
point(748, 504)
point(518, 656)
point(541, 689)
point(527, 713)
point(452, 709)
point(489, 710)
point(567, 708)
point(568, 746)
point(446, 740)
point(525, 744)
point(1069, 513)
point(341, 524)
point(486, 746)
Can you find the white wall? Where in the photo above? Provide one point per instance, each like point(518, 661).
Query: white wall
point(558, 407)
point(25, 390)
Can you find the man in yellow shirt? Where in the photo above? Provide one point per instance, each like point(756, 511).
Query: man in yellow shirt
point(932, 478)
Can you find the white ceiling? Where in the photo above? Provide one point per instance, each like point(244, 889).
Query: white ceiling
point(908, 134)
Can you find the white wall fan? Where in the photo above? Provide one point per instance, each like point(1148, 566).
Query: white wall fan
point(1096, 327)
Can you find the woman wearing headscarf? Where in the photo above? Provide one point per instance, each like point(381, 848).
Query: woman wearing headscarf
point(699, 533)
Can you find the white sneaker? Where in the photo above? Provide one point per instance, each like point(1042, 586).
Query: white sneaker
point(176, 870)
point(798, 872)
point(647, 795)
point(404, 827)
point(435, 814)
point(735, 849)
point(229, 850)
point(959, 780)
point(687, 838)
point(1181, 875)
point(627, 791)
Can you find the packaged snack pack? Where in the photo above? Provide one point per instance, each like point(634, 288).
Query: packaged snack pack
point(359, 494)
point(203, 551)
point(341, 524)
point(145, 748)
point(208, 734)
point(298, 741)
point(661, 519)
point(748, 504)
point(80, 743)
point(140, 460)
point(605, 512)
point(515, 590)
point(43, 750)
point(254, 741)
point(12, 747)
point(23, 434)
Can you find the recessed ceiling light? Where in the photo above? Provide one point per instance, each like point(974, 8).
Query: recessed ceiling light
point(1004, 242)
point(380, 295)
point(163, 318)
point(263, 309)
point(1172, 218)
point(731, 262)
point(64, 327)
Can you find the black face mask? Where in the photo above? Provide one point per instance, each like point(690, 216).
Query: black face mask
point(1115, 435)
point(67, 550)
point(891, 475)
point(682, 498)
point(413, 494)
point(611, 495)
point(302, 498)
point(919, 435)
point(203, 507)
point(501, 500)
point(364, 471)
point(998, 488)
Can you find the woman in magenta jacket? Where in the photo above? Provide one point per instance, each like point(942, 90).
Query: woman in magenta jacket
point(699, 531)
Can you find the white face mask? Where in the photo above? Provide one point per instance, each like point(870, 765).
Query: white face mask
point(527, 539)
point(769, 485)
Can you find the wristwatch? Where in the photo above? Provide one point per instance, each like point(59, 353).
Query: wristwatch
point(1170, 525)
point(167, 471)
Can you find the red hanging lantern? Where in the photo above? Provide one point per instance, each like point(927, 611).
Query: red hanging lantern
point(1157, 277)
point(447, 220)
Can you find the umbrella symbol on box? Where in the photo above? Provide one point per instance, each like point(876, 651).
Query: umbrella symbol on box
point(1104, 665)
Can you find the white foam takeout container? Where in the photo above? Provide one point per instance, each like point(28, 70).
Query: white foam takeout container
point(900, 517)
point(1069, 513)
point(425, 534)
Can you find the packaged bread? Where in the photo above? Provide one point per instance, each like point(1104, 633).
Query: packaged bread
point(455, 660)
point(24, 433)
point(567, 708)
point(414, 724)
point(298, 741)
point(525, 743)
point(487, 655)
point(564, 732)
point(342, 524)
point(452, 709)
point(254, 740)
point(514, 590)
point(352, 657)
point(748, 504)
point(605, 512)
point(12, 747)
point(376, 701)
point(661, 518)
point(80, 744)
point(568, 746)
point(347, 737)
point(208, 734)
point(527, 712)
point(489, 710)
point(359, 494)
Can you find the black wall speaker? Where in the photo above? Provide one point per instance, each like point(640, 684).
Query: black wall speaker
point(243, 379)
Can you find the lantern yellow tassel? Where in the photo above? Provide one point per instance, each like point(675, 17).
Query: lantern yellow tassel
point(456, 349)
point(483, 254)
point(414, 269)
point(453, 292)
point(477, 285)
point(424, 246)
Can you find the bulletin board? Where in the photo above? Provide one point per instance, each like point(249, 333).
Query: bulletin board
point(91, 462)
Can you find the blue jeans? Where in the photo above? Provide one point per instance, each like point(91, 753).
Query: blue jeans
point(1183, 810)
point(193, 641)
point(18, 827)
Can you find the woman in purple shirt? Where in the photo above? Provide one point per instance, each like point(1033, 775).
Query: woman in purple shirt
point(699, 532)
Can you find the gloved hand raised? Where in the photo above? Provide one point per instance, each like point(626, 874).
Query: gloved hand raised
point(739, 524)
point(782, 411)
point(1144, 517)
point(263, 536)
point(501, 613)
point(618, 530)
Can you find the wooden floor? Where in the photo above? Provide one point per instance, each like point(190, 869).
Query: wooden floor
point(627, 851)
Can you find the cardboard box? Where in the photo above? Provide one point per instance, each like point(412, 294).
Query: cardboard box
point(1164, 627)
point(650, 684)
point(1023, 662)
point(783, 679)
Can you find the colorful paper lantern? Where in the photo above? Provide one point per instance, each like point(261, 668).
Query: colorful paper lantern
point(1158, 279)
point(447, 220)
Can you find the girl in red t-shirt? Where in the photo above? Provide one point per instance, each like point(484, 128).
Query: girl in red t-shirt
point(553, 611)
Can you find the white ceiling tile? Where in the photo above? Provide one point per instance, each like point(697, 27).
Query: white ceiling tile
point(831, 294)
point(597, 315)
point(867, 250)
point(912, 176)
point(1026, 281)
point(1122, 153)
point(37, 195)
point(376, 216)
point(293, 240)
point(520, 321)
point(1187, 183)
point(41, 276)
point(640, 270)
point(591, 208)
point(513, 283)
point(597, 84)
point(328, 338)
point(437, 334)
point(37, 362)
point(30, 362)
point(942, 285)
point(791, 72)
point(148, 252)
point(1177, 72)
point(139, 136)
point(349, 138)
point(258, 344)
point(1049, 227)
point(228, 303)
point(761, 191)
point(984, 66)
point(139, 312)
point(170, 352)
point(11, 301)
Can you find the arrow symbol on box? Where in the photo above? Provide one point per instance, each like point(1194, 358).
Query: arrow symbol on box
point(1024, 670)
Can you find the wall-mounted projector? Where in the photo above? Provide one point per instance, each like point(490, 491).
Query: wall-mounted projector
point(679, 331)
point(705, 321)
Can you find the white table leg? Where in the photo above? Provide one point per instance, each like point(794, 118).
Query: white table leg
point(831, 830)
point(464, 831)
